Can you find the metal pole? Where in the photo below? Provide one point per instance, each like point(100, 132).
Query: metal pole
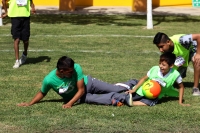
point(1, 21)
point(149, 15)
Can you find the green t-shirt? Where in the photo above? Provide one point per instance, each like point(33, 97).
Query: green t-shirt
point(180, 50)
point(18, 11)
point(169, 79)
point(52, 81)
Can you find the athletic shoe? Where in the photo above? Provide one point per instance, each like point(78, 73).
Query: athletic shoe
point(195, 92)
point(116, 103)
point(22, 60)
point(129, 100)
point(16, 65)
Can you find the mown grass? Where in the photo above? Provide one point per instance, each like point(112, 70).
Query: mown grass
point(109, 47)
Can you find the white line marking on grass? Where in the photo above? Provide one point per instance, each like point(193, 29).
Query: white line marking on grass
point(80, 51)
point(147, 52)
point(136, 36)
point(40, 50)
point(5, 35)
point(90, 51)
point(74, 51)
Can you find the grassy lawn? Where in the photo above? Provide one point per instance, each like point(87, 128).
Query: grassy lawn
point(112, 48)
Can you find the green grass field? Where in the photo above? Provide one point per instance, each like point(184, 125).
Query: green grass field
point(112, 48)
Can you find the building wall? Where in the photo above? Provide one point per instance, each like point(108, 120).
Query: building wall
point(104, 2)
point(46, 2)
point(114, 2)
point(157, 3)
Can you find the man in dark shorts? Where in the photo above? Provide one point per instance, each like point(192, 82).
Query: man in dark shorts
point(19, 12)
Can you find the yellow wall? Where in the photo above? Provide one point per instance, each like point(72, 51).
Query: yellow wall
point(46, 2)
point(104, 2)
point(172, 2)
point(114, 2)
point(86, 2)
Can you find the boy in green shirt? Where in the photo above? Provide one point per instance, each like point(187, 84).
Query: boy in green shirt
point(68, 81)
point(164, 74)
point(186, 48)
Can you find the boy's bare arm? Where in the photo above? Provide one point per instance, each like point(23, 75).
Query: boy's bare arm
point(39, 96)
point(197, 55)
point(181, 93)
point(80, 92)
point(197, 38)
point(33, 11)
point(5, 9)
point(141, 81)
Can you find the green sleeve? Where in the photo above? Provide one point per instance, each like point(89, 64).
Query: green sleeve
point(79, 72)
point(45, 86)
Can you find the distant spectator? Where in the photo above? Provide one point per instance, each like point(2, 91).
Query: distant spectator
point(19, 12)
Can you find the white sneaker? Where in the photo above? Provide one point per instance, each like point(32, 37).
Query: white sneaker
point(22, 60)
point(16, 65)
point(129, 100)
point(195, 92)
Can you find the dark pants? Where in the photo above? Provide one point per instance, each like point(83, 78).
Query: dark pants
point(100, 92)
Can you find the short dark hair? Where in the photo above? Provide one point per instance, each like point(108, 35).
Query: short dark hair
point(168, 57)
point(65, 63)
point(160, 38)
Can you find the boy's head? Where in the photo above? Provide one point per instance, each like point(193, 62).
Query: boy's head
point(166, 62)
point(163, 42)
point(65, 66)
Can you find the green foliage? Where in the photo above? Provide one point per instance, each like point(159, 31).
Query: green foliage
point(112, 48)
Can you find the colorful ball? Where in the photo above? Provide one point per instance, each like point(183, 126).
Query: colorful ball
point(151, 89)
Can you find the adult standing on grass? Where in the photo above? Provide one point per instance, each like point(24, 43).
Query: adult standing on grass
point(68, 81)
point(186, 48)
point(19, 12)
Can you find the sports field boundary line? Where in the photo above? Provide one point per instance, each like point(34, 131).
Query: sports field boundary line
point(71, 51)
point(98, 35)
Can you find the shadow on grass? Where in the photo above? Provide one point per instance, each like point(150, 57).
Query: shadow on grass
point(37, 60)
point(99, 19)
point(58, 101)
point(167, 99)
point(88, 19)
point(123, 20)
point(52, 100)
point(163, 100)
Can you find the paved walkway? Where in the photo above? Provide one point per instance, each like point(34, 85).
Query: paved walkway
point(119, 10)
